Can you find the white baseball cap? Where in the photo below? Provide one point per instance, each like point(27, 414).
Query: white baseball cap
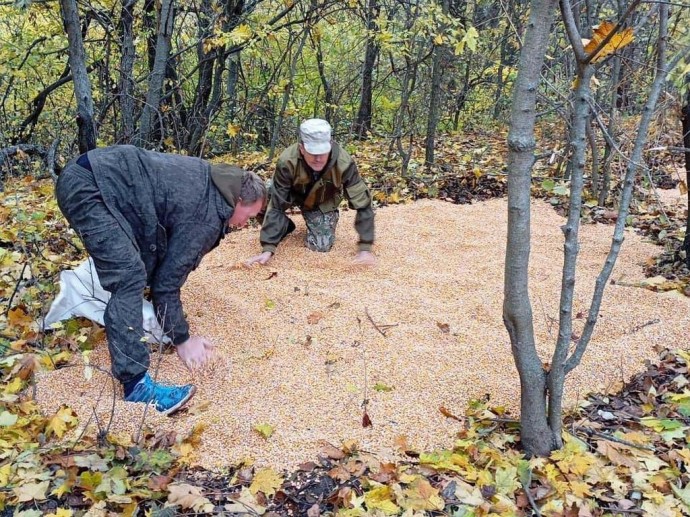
point(315, 135)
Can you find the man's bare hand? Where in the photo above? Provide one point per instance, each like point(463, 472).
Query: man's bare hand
point(259, 259)
point(196, 352)
point(365, 258)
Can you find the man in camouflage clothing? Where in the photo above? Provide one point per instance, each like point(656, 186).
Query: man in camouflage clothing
point(314, 175)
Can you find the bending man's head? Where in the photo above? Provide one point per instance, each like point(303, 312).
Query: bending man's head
point(244, 190)
point(251, 201)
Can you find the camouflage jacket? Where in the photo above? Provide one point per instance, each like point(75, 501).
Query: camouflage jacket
point(295, 184)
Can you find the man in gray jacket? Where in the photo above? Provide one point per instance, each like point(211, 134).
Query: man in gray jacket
point(147, 219)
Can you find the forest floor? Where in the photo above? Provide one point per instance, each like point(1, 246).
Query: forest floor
point(625, 442)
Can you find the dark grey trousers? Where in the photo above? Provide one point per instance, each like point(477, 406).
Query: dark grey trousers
point(118, 264)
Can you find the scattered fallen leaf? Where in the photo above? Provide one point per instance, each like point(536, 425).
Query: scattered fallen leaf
point(265, 430)
point(381, 387)
point(448, 414)
point(266, 481)
point(314, 317)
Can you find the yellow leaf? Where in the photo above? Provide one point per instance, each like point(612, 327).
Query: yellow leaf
point(61, 512)
point(64, 488)
point(14, 386)
point(233, 130)
point(18, 318)
point(617, 41)
point(61, 421)
point(580, 489)
point(381, 498)
point(185, 452)
point(240, 34)
point(266, 481)
point(265, 430)
point(438, 39)
point(422, 496)
point(5, 471)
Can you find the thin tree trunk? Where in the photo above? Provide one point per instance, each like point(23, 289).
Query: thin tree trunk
point(578, 145)
point(594, 149)
point(286, 96)
point(327, 90)
point(536, 436)
point(435, 96)
point(686, 143)
point(362, 125)
point(155, 87)
point(126, 72)
point(662, 69)
point(82, 85)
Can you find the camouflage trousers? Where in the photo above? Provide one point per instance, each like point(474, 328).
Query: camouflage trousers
point(320, 229)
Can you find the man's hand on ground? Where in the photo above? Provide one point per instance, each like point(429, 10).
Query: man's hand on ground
point(365, 258)
point(259, 259)
point(196, 352)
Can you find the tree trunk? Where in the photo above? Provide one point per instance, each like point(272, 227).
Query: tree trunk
point(662, 69)
point(126, 72)
point(329, 104)
point(82, 86)
point(435, 96)
point(536, 436)
point(362, 125)
point(150, 124)
point(578, 146)
point(286, 96)
point(686, 144)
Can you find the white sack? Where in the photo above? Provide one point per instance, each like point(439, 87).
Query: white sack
point(81, 294)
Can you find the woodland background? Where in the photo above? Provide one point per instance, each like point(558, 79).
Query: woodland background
point(421, 92)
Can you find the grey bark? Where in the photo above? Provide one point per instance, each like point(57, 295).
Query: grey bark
point(686, 143)
point(662, 68)
point(536, 436)
point(602, 191)
point(126, 80)
point(286, 96)
point(150, 113)
point(82, 85)
point(435, 96)
point(362, 124)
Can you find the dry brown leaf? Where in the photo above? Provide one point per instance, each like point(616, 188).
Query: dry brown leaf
point(448, 414)
point(331, 451)
point(188, 496)
point(339, 473)
point(445, 328)
point(314, 317)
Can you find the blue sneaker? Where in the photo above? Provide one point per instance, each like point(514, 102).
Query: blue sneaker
point(166, 398)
